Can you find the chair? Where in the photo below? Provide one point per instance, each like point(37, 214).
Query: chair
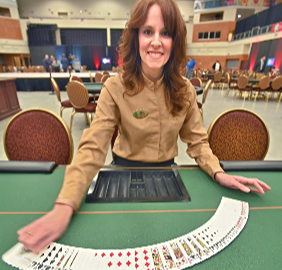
point(98, 76)
point(105, 77)
point(276, 85)
point(217, 78)
point(206, 90)
point(38, 135)
point(84, 68)
point(91, 77)
point(77, 79)
point(105, 72)
point(30, 69)
point(196, 81)
point(242, 86)
point(238, 134)
point(65, 103)
point(262, 85)
point(79, 98)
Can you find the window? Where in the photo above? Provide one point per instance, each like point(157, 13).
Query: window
point(209, 35)
point(5, 12)
point(211, 16)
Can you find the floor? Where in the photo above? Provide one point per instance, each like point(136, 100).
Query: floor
point(215, 104)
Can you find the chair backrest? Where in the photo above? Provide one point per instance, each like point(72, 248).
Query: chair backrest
point(239, 134)
point(75, 78)
point(91, 77)
point(217, 76)
point(206, 90)
point(277, 83)
point(199, 74)
point(242, 82)
point(98, 76)
point(56, 89)
point(38, 135)
point(114, 69)
point(264, 82)
point(84, 67)
point(78, 94)
point(105, 77)
point(105, 72)
point(259, 76)
point(196, 81)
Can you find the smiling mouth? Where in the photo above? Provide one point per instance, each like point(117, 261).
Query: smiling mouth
point(155, 54)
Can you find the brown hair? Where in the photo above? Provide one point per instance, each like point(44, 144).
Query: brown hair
point(175, 96)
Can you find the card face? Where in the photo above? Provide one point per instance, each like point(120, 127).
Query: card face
point(169, 263)
point(178, 255)
point(158, 263)
point(147, 262)
point(107, 259)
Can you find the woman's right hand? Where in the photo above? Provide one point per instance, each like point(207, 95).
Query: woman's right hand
point(40, 233)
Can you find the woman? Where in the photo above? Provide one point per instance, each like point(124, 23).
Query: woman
point(56, 65)
point(151, 103)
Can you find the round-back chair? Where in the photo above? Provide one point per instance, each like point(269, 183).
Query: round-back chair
point(38, 135)
point(65, 103)
point(239, 134)
point(75, 78)
point(196, 81)
point(79, 98)
point(98, 76)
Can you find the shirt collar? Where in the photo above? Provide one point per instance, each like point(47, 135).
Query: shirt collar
point(150, 84)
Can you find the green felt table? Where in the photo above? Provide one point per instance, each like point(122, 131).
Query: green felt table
point(26, 197)
point(94, 88)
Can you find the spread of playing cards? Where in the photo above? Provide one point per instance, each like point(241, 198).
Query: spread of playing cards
point(179, 253)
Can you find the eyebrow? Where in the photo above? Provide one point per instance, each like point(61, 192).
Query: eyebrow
point(149, 27)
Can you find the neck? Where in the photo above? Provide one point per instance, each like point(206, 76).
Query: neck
point(153, 76)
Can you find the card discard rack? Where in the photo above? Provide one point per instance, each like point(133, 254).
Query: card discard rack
point(137, 185)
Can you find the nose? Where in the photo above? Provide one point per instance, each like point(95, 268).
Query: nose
point(156, 41)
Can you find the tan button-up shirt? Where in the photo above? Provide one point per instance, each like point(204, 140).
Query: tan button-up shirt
point(149, 139)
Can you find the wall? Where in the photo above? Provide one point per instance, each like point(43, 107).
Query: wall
point(224, 27)
point(10, 29)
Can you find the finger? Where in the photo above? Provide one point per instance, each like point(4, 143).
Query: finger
point(262, 184)
point(252, 182)
point(242, 187)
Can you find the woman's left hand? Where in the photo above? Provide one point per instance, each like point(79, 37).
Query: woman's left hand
point(242, 183)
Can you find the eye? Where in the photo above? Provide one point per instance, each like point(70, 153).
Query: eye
point(165, 33)
point(147, 32)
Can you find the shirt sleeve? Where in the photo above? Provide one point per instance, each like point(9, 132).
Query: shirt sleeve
point(195, 135)
point(92, 151)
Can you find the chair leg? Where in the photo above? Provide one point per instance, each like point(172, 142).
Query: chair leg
point(267, 97)
point(73, 113)
point(235, 94)
point(227, 92)
point(90, 119)
point(86, 118)
point(61, 111)
point(257, 93)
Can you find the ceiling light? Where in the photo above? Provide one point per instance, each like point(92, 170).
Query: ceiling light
point(80, 11)
point(239, 16)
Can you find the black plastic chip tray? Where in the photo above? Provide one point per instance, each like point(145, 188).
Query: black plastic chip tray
point(137, 185)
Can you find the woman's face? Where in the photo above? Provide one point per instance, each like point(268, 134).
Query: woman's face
point(154, 43)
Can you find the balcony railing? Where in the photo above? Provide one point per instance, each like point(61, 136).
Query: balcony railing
point(256, 31)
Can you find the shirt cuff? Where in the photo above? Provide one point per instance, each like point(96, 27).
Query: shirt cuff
point(67, 202)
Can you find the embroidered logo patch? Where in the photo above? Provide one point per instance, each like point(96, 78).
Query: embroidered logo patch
point(140, 113)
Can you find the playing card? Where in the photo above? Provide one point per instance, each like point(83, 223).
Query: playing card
point(107, 259)
point(178, 254)
point(168, 261)
point(191, 256)
point(147, 262)
point(158, 263)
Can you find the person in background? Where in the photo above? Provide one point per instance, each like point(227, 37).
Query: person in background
point(190, 66)
point(216, 66)
point(152, 50)
point(260, 64)
point(56, 65)
point(46, 63)
point(51, 59)
point(64, 62)
point(190, 63)
point(76, 64)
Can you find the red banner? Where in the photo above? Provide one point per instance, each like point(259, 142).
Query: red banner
point(277, 27)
